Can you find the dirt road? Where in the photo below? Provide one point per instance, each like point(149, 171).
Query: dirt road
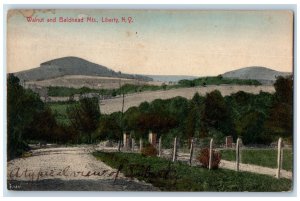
point(68, 169)
point(75, 169)
point(256, 169)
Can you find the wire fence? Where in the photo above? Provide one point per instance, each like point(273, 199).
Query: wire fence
point(188, 150)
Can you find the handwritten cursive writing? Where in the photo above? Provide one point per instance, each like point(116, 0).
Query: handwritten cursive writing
point(65, 172)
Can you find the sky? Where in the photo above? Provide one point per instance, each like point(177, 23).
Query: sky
point(156, 42)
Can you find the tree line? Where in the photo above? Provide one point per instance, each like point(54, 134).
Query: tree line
point(135, 88)
point(256, 118)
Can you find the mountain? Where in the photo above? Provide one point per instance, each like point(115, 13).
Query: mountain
point(72, 66)
point(262, 74)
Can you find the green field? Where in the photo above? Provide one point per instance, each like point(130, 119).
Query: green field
point(126, 89)
point(131, 88)
point(216, 80)
point(60, 111)
point(168, 176)
point(266, 158)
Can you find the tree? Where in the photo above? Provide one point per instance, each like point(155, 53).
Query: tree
point(178, 107)
point(130, 118)
point(155, 116)
point(194, 116)
point(144, 107)
point(109, 128)
point(280, 121)
point(85, 116)
point(22, 106)
point(216, 116)
point(249, 112)
point(251, 128)
point(284, 90)
point(191, 123)
point(42, 127)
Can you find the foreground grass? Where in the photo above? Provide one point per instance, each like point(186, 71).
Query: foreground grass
point(178, 176)
point(266, 158)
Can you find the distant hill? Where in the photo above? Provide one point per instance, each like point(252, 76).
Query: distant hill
point(72, 66)
point(262, 74)
point(171, 78)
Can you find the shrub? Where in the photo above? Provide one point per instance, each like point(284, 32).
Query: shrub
point(149, 150)
point(203, 158)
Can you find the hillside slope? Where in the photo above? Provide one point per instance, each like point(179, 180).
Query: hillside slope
point(72, 66)
point(262, 74)
point(92, 82)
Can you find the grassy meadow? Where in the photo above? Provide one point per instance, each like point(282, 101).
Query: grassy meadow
point(178, 176)
point(132, 88)
point(261, 157)
point(59, 110)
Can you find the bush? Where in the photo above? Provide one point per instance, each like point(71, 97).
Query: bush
point(149, 150)
point(203, 158)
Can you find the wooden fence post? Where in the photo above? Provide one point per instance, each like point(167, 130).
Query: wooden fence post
point(279, 158)
point(191, 151)
point(159, 147)
point(237, 156)
point(119, 146)
point(132, 144)
point(175, 149)
point(210, 153)
point(141, 144)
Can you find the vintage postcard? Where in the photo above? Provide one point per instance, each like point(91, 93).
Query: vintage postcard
point(150, 100)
